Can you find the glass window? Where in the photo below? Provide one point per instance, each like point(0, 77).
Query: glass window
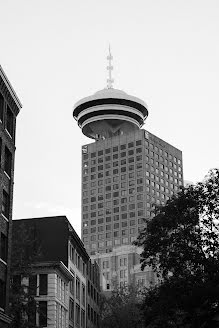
point(10, 122)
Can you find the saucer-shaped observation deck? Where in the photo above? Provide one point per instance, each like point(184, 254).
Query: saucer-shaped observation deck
point(109, 112)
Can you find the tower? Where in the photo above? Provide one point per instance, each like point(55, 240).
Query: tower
point(125, 171)
point(9, 109)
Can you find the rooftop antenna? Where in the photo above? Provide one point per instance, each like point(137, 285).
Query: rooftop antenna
point(110, 68)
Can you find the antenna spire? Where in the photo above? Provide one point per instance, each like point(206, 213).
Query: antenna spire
point(110, 68)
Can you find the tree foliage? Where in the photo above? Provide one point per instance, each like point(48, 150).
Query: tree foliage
point(181, 243)
point(121, 309)
point(25, 251)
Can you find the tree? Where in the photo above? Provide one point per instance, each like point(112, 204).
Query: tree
point(181, 243)
point(121, 309)
point(25, 251)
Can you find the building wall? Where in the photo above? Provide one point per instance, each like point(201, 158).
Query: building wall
point(9, 109)
point(122, 178)
point(121, 267)
point(77, 288)
point(56, 296)
point(93, 294)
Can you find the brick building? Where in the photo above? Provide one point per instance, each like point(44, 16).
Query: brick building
point(9, 109)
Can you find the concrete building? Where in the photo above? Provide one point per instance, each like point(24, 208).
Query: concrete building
point(9, 109)
point(131, 174)
point(48, 283)
point(59, 243)
point(121, 267)
point(125, 171)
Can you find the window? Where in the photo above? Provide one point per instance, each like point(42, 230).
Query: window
point(43, 284)
point(82, 319)
point(5, 204)
point(77, 315)
point(2, 294)
point(77, 288)
point(33, 285)
point(1, 107)
point(72, 283)
point(10, 121)
point(109, 243)
point(71, 310)
point(4, 247)
point(83, 294)
point(101, 244)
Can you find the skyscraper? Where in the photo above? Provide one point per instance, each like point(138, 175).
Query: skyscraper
point(9, 109)
point(125, 171)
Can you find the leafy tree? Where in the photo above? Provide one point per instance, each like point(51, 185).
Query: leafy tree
point(181, 243)
point(25, 251)
point(121, 309)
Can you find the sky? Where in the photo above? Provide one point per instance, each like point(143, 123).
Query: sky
point(54, 53)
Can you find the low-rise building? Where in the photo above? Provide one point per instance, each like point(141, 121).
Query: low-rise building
point(121, 267)
point(58, 242)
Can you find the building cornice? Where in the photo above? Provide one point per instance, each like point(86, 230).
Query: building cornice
point(10, 88)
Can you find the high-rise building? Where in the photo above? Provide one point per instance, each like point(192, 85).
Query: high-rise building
point(9, 109)
point(126, 171)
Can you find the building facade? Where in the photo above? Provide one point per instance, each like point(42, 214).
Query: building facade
point(47, 283)
point(9, 109)
point(121, 268)
point(123, 177)
point(58, 242)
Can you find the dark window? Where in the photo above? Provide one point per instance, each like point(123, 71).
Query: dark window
point(77, 288)
point(16, 285)
point(71, 309)
point(31, 311)
point(43, 284)
point(43, 313)
point(1, 107)
point(33, 285)
point(5, 204)
point(2, 294)
point(10, 121)
point(4, 247)
point(77, 315)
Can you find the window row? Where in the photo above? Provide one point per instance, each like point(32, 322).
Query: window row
point(76, 314)
point(114, 149)
point(116, 163)
point(114, 226)
point(76, 259)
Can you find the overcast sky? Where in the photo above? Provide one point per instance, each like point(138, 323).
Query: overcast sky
point(54, 53)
